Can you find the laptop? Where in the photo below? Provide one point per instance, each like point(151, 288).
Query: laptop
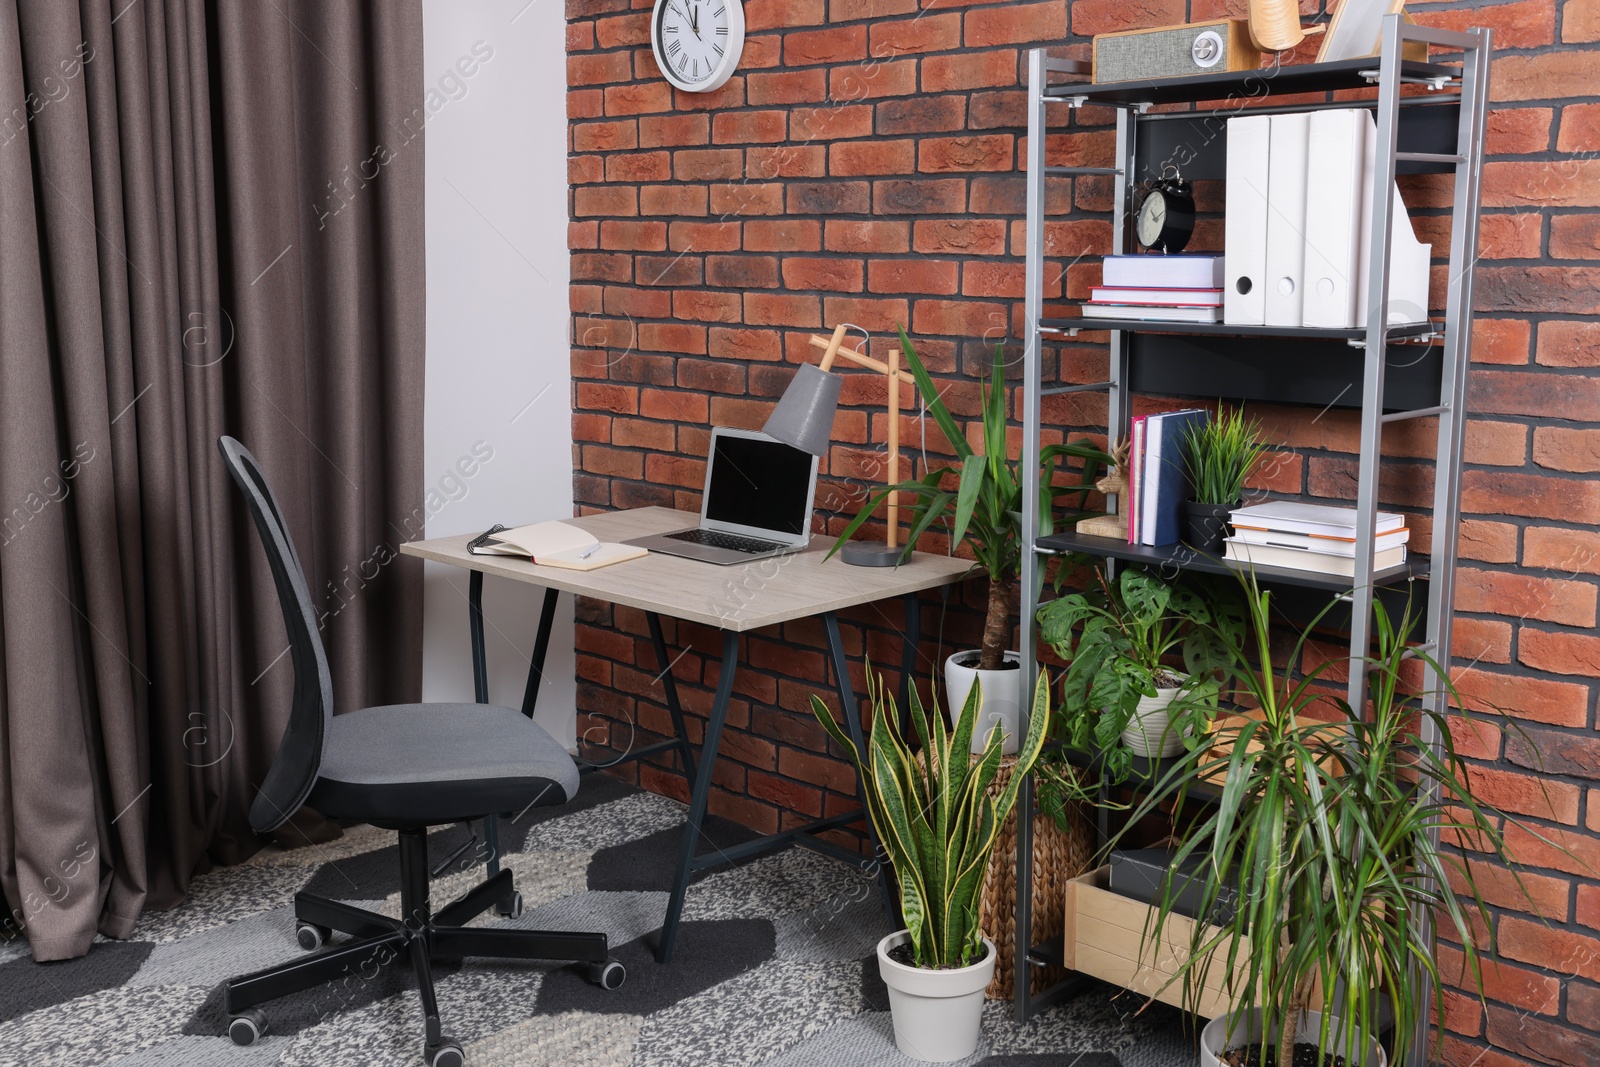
point(757, 502)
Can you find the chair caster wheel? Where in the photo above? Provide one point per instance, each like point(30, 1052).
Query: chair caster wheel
point(607, 975)
point(511, 907)
point(246, 1027)
point(447, 1053)
point(311, 936)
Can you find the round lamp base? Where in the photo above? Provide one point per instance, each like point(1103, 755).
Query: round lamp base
point(870, 554)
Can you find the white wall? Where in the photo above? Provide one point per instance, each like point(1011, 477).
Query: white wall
point(498, 382)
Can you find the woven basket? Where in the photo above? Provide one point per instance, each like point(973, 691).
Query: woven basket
point(1058, 857)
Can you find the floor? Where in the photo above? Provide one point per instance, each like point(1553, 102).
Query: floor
point(774, 967)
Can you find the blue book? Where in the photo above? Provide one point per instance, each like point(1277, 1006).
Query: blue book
point(1166, 483)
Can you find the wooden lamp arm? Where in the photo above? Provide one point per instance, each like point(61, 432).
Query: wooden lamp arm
point(831, 350)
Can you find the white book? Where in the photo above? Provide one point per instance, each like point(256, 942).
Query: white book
point(1157, 297)
point(1286, 218)
point(1335, 171)
point(1295, 516)
point(1301, 560)
point(1245, 220)
point(1163, 272)
point(1333, 546)
point(1150, 479)
point(1152, 314)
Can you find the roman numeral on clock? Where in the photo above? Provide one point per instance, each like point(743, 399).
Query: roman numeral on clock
point(722, 31)
point(718, 49)
point(674, 47)
point(683, 63)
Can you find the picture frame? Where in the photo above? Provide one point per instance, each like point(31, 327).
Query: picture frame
point(1355, 28)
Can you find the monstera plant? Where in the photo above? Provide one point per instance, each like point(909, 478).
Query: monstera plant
point(937, 820)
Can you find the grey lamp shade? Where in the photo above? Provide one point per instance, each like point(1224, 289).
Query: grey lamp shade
point(804, 415)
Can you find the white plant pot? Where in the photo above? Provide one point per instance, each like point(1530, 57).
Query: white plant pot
point(1149, 732)
point(1223, 1033)
point(1002, 694)
point(937, 1013)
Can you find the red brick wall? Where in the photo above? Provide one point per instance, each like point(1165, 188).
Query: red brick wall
point(862, 165)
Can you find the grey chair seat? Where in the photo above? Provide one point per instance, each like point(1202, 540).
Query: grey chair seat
point(425, 764)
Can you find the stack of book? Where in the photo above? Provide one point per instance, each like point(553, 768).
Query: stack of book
point(1159, 288)
point(1157, 480)
point(1311, 537)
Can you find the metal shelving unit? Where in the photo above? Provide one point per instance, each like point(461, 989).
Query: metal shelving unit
point(1390, 374)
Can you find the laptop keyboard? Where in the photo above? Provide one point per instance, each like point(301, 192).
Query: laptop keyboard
point(717, 539)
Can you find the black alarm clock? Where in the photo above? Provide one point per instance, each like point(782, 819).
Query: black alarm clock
point(1165, 221)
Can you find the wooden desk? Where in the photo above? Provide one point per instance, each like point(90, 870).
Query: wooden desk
point(734, 599)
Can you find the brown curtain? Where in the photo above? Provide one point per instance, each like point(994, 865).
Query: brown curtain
point(211, 222)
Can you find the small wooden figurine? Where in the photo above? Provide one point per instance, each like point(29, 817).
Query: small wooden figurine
point(1115, 487)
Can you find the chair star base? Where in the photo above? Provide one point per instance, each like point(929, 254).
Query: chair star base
point(420, 936)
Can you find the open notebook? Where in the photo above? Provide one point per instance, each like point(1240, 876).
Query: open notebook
point(553, 544)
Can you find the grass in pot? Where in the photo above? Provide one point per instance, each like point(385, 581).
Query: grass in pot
point(1220, 454)
point(1329, 833)
point(980, 502)
point(937, 824)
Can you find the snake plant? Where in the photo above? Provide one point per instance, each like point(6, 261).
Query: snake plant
point(936, 819)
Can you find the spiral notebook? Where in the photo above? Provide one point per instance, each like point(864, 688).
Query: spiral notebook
point(553, 544)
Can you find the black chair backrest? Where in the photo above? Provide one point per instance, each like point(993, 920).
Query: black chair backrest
point(294, 769)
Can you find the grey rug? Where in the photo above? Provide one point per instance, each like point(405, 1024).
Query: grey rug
point(773, 967)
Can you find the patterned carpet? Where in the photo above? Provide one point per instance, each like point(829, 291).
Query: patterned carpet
point(774, 967)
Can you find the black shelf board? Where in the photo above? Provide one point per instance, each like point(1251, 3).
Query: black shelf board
point(1143, 773)
point(1223, 329)
point(1186, 558)
point(1251, 84)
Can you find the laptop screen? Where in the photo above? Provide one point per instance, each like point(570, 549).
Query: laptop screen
point(758, 483)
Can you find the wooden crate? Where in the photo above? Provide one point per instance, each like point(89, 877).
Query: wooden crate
point(1105, 933)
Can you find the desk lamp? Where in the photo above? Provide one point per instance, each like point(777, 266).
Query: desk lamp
point(804, 419)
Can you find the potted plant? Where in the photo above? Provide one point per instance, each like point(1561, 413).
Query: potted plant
point(1326, 833)
point(1119, 695)
point(1219, 455)
point(983, 509)
point(937, 822)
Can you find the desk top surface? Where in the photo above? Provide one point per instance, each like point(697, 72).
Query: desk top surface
point(740, 597)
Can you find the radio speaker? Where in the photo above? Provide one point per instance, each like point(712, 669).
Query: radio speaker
point(1173, 51)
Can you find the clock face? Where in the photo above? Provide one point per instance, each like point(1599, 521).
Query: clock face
point(697, 42)
point(1152, 216)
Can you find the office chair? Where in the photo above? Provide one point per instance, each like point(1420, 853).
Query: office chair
point(403, 767)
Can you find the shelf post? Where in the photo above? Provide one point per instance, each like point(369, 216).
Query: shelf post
point(1369, 459)
point(1452, 428)
point(1032, 357)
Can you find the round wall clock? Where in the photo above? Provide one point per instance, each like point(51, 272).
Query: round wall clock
point(697, 42)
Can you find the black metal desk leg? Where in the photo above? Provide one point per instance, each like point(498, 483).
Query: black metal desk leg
point(699, 795)
point(480, 661)
point(480, 693)
point(670, 686)
point(908, 655)
point(852, 722)
point(541, 645)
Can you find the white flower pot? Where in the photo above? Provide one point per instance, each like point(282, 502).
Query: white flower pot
point(937, 1013)
point(1223, 1033)
point(1148, 733)
point(1002, 695)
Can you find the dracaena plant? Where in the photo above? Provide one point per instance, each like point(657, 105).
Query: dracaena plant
point(1329, 831)
point(936, 820)
point(984, 506)
point(1117, 637)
